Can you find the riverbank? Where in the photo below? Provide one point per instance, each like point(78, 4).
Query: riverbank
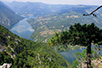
point(23, 29)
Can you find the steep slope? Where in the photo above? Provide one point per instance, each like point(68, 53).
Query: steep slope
point(35, 9)
point(46, 26)
point(7, 17)
point(28, 54)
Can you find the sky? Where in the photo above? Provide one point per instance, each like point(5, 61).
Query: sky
point(73, 2)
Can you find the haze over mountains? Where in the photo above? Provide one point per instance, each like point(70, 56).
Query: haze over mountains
point(49, 18)
point(7, 17)
point(46, 19)
point(35, 9)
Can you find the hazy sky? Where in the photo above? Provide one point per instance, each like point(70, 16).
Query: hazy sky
point(86, 2)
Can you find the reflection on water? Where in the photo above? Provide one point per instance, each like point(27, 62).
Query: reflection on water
point(23, 29)
point(70, 55)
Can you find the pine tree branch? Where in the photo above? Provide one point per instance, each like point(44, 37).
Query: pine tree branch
point(92, 13)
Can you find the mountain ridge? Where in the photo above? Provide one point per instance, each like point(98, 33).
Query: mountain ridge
point(36, 8)
point(7, 17)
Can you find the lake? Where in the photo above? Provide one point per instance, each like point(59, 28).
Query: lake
point(23, 29)
point(70, 55)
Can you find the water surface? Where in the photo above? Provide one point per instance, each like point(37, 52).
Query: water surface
point(23, 29)
point(70, 55)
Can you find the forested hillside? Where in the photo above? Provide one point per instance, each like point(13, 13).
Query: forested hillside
point(24, 53)
point(46, 26)
point(7, 17)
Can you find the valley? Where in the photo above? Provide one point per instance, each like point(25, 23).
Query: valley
point(37, 34)
point(59, 22)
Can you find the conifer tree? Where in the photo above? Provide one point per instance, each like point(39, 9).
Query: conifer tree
point(85, 35)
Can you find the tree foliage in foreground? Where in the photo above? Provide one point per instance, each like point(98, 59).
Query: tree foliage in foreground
point(28, 54)
point(79, 34)
point(5, 58)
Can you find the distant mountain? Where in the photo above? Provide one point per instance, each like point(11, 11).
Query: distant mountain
point(46, 26)
point(7, 17)
point(49, 18)
point(36, 9)
point(22, 53)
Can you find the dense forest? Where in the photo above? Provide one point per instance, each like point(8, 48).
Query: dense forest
point(24, 53)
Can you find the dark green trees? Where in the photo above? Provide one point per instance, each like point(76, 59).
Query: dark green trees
point(5, 58)
point(85, 35)
point(28, 54)
point(82, 35)
point(59, 38)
